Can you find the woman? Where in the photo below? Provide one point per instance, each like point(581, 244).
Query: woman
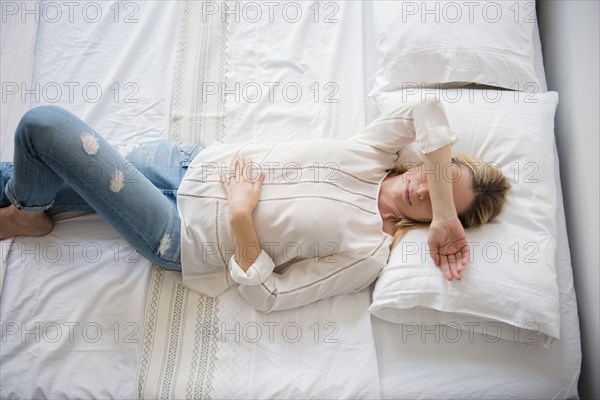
point(325, 210)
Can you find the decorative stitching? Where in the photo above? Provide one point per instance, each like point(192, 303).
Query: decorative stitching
point(343, 172)
point(176, 322)
point(320, 197)
point(289, 183)
point(223, 75)
point(285, 198)
point(176, 105)
point(200, 70)
point(272, 292)
point(193, 371)
point(327, 183)
point(217, 236)
point(298, 168)
point(149, 328)
point(202, 197)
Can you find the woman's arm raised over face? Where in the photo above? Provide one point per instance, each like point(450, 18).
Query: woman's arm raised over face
point(424, 121)
point(446, 237)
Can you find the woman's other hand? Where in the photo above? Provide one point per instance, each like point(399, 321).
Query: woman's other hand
point(448, 245)
point(242, 186)
point(243, 192)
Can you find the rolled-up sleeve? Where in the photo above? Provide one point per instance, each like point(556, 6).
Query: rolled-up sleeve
point(309, 280)
point(255, 275)
point(431, 126)
point(424, 122)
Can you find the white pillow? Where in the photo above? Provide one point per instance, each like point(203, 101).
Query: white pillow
point(432, 42)
point(509, 287)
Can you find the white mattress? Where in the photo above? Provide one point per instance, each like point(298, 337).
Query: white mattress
point(89, 298)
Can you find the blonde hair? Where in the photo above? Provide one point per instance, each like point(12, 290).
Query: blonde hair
point(489, 187)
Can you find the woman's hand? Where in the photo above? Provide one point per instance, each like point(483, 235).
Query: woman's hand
point(242, 187)
point(243, 193)
point(449, 247)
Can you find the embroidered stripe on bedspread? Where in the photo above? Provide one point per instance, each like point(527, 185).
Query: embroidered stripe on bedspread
point(201, 64)
point(179, 346)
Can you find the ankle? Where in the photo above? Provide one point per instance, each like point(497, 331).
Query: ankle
point(29, 223)
point(14, 212)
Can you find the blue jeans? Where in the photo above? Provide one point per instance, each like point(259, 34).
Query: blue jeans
point(62, 164)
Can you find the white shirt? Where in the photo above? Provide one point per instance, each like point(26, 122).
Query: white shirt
point(317, 219)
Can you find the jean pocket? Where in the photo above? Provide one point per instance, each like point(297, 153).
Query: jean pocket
point(187, 152)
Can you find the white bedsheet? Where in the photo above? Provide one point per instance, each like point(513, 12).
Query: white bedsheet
point(297, 80)
point(71, 314)
point(17, 38)
point(72, 303)
point(119, 67)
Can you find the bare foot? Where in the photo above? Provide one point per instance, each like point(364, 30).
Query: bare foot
point(14, 222)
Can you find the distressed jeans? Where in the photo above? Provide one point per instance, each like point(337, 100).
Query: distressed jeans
point(62, 164)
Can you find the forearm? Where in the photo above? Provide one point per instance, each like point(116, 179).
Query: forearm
point(247, 247)
point(439, 179)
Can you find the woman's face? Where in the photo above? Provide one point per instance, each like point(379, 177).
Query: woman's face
point(412, 191)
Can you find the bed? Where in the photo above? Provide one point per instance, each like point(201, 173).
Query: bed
point(84, 316)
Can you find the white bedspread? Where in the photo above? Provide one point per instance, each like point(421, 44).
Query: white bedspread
point(198, 346)
point(72, 313)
